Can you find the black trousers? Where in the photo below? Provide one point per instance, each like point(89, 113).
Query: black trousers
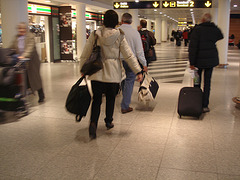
point(99, 88)
point(207, 84)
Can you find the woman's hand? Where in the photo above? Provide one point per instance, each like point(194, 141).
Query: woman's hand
point(139, 77)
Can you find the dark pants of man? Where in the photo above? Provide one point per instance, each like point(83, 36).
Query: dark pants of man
point(100, 88)
point(207, 84)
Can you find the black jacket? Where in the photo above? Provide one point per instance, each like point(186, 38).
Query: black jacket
point(202, 48)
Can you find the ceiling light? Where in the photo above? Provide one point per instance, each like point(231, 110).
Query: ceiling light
point(235, 5)
point(155, 10)
point(48, 1)
point(191, 9)
point(168, 16)
point(165, 15)
point(136, 0)
point(160, 13)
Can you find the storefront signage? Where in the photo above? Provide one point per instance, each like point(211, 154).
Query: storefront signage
point(136, 5)
point(89, 15)
point(55, 11)
point(187, 4)
point(39, 9)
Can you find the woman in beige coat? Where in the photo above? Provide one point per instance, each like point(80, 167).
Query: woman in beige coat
point(24, 44)
point(112, 43)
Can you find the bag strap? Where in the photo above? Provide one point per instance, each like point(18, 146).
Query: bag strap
point(80, 80)
point(95, 43)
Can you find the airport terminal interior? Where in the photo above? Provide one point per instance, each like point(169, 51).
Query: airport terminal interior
point(150, 143)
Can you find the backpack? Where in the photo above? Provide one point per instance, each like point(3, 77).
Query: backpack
point(145, 40)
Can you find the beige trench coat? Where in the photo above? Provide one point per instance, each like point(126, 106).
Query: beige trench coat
point(112, 43)
point(33, 67)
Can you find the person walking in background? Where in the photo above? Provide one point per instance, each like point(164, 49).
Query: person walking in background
point(112, 43)
point(203, 53)
point(148, 41)
point(24, 44)
point(178, 36)
point(185, 37)
point(134, 41)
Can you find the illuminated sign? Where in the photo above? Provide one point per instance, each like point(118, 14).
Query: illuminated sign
point(136, 5)
point(187, 4)
point(39, 9)
point(89, 15)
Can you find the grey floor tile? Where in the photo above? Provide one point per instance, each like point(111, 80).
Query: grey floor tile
point(120, 171)
point(184, 138)
point(69, 167)
point(175, 174)
point(228, 162)
point(153, 120)
point(224, 141)
point(143, 153)
point(228, 177)
point(191, 159)
point(147, 134)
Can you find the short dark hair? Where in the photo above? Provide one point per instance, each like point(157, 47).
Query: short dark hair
point(110, 19)
point(127, 18)
point(143, 23)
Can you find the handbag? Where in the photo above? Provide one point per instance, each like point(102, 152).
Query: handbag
point(78, 99)
point(148, 88)
point(94, 62)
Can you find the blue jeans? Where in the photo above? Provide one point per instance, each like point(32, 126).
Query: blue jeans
point(127, 87)
point(207, 84)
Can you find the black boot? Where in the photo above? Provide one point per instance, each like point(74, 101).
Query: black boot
point(92, 130)
point(41, 95)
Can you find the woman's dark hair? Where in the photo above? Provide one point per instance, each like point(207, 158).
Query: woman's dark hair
point(110, 19)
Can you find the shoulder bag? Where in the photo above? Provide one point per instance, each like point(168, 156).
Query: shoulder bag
point(94, 62)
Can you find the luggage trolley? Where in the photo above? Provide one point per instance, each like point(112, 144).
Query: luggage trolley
point(17, 102)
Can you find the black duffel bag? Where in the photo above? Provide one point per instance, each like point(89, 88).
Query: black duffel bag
point(78, 100)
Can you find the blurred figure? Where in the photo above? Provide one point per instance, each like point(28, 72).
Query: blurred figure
point(185, 37)
point(148, 41)
point(24, 44)
point(203, 53)
point(178, 36)
point(134, 41)
point(112, 42)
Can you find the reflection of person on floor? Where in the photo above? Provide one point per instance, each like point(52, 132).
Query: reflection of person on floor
point(24, 44)
point(203, 53)
point(134, 40)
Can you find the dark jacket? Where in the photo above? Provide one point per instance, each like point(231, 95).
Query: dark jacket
point(203, 52)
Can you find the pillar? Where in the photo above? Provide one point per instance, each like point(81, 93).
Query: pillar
point(158, 27)
point(47, 38)
point(164, 30)
point(223, 24)
point(214, 13)
point(81, 28)
point(13, 12)
point(149, 24)
point(135, 21)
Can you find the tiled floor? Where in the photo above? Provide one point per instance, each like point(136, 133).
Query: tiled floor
point(148, 143)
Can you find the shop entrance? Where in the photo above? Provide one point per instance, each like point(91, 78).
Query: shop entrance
point(38, 25)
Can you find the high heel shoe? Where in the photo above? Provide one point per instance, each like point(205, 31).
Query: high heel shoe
point(92, 130)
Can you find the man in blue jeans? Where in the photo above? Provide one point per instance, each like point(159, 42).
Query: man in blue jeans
point(134, 40)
